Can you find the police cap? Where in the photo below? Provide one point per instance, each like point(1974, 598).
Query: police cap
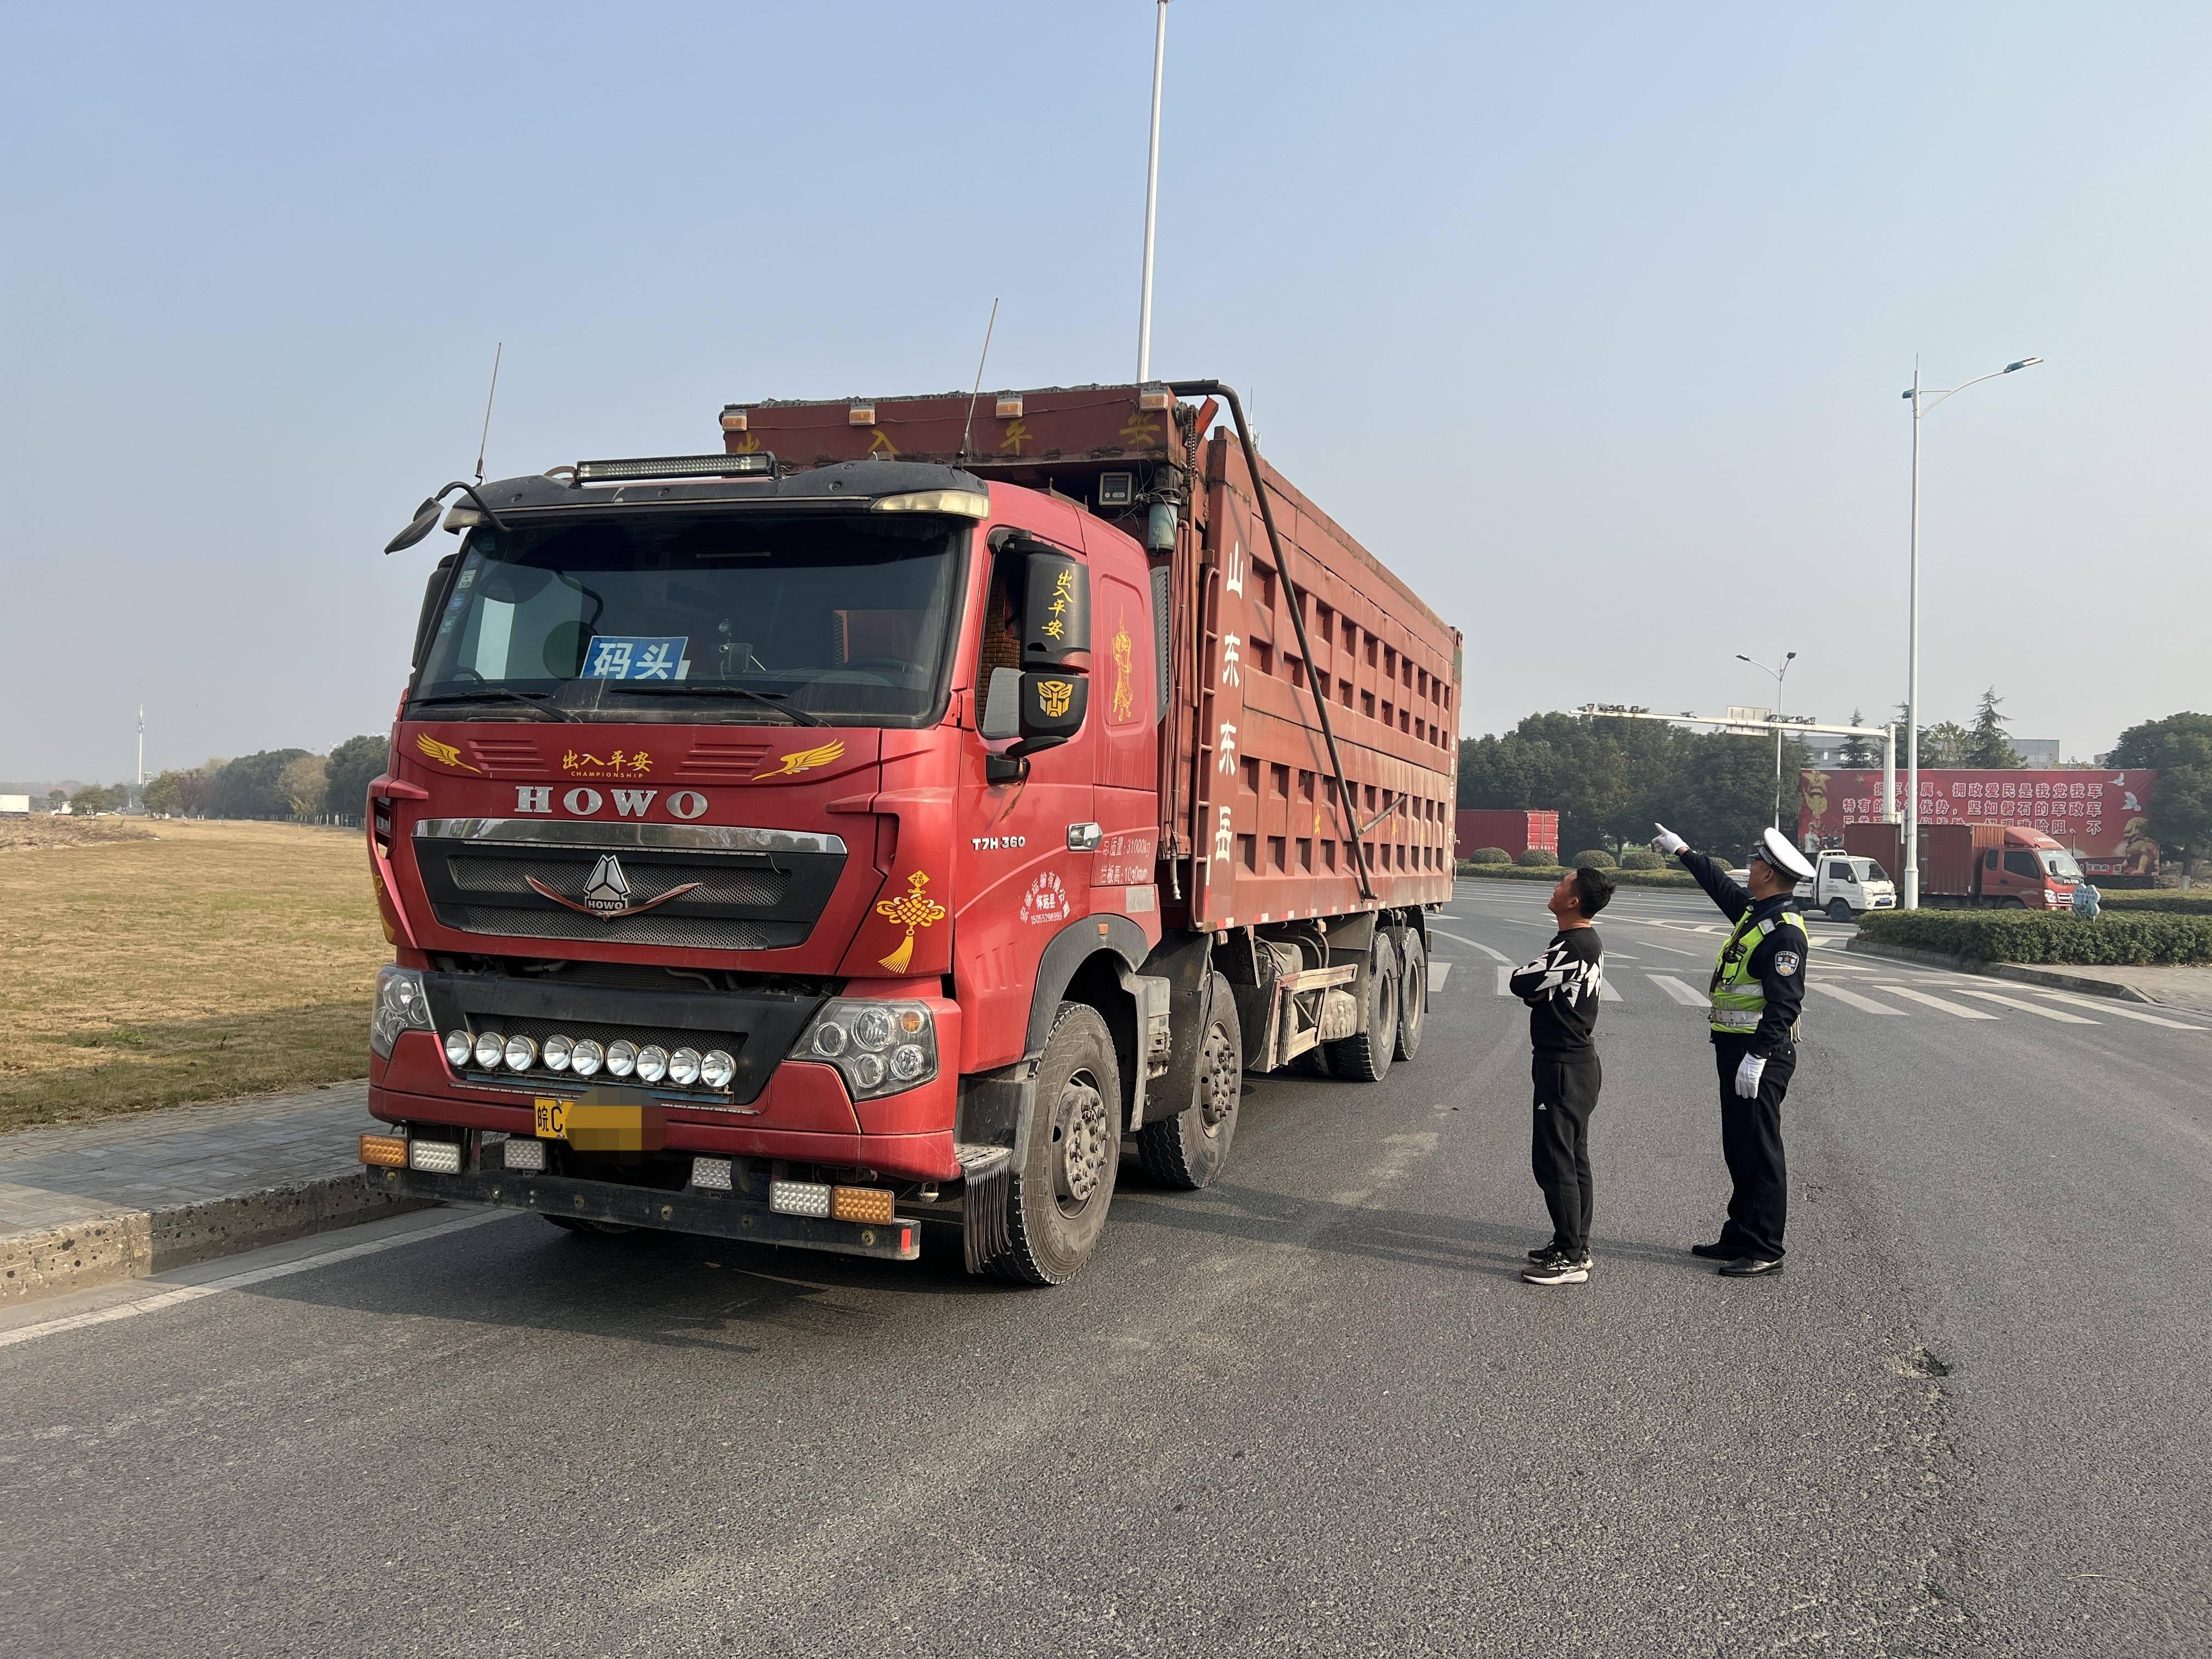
point(1780, 853)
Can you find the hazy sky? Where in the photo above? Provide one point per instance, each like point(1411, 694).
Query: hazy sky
point(1589, 319)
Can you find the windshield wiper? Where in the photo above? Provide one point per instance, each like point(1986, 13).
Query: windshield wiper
point(765, 699)
point(492, 693)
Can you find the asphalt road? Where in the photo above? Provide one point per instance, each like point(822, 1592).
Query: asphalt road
point(1313, 1410)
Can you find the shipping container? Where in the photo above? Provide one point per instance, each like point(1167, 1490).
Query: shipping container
point(1515, 830)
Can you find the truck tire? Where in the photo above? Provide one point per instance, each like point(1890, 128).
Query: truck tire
point(1839, 910)
point(1365, 1057)
point(1057, 1202)
point(1187, 1150)
point(1413, 993)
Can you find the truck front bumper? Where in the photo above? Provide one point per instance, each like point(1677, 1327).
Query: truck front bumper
point(715, 1214)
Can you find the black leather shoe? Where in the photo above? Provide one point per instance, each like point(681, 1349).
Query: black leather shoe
point(1750, 1267)
point(1714, 1252)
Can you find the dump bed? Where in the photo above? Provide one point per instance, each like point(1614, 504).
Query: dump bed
point(1251, 827)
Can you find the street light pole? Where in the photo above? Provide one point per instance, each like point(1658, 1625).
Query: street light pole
point(1778, 673)
point(1152, 199)
point(1923, 399)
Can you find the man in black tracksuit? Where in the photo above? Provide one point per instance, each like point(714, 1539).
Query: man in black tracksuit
point(1758, 989)
point(1562, 988)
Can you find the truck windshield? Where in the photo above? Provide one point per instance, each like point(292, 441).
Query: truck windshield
point(2060, 865)
point(1871, 870)
point(846, 620)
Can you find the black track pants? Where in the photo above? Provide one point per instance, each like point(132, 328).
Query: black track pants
point(1558, 1145)
point(1751, 1140)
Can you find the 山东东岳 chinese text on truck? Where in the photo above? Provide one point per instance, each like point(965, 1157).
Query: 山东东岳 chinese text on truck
point(885, 819)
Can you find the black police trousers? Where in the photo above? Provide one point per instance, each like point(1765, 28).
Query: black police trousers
point(1751, 1140)
point(1558, 1145)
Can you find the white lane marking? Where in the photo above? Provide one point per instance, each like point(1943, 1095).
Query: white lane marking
point(2023, 1004)
point(1495, 955)
point(1957, 1010)
point(1504, 986)
point(1671, 949)
point(1605, 992)
point(185, 1293)
point(1675, 987)
point(1866, 1005)
point(1439, 971)
point(2110, 1006)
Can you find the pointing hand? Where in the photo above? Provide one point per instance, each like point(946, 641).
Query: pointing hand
point(1667, 841)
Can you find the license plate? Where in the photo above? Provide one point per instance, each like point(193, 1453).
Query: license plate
point(600, 1125)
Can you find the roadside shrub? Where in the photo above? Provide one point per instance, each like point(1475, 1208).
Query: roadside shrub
point(1641, 858)
point(2123, 883)
point(2166, 901)
point(1553, 873)
point(1489, 855)
point(1597, 857)
point(1538, 858)
point(2032, 936)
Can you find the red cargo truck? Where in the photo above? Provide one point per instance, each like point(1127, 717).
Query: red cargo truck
point(1514, 831)
point(886, 819)
point(1969, 866)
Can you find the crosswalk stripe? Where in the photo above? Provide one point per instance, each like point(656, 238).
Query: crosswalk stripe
point(1958, 1010)
point(2108, 1005)
point(2025, 1005)
point(1495, 955)
point(1504, 975)
point(1675, 987)
point(1605, 992)
point(1439, 971)
point(1865, 1004)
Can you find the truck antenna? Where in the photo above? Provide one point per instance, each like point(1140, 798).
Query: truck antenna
point(484, 437)
point(970, 424)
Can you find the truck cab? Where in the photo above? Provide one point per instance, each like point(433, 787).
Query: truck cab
point(2028, 871)
point(1844, 886)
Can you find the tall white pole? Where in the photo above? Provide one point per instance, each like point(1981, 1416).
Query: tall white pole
point(1777, 741)
point(1152, 199)
point(1912, 679)
point(1889, 773)
point(141, 746)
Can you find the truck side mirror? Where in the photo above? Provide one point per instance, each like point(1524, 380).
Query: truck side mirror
point(1044, 710)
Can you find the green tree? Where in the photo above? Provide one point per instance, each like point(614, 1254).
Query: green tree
point(250, 787)
point(2180, 748)
point(353, 764)
point(1860, 752)
point(56, 799)
point(164, 796)
point(1986, 743)
point(93, 799)
point(303, 783)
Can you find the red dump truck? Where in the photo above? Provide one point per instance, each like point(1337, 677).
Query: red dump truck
point(1968, 866)
point(888, 819)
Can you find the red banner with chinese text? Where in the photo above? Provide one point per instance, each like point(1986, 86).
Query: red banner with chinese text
point(2097, 816)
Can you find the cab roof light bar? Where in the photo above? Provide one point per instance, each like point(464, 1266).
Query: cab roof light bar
point(760, 464)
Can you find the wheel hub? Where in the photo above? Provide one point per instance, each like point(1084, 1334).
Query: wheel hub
point(1221, 1079)
point(1080, 1125)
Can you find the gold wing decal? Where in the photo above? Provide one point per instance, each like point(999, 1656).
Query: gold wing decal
point(806, 760)
point(445, 754)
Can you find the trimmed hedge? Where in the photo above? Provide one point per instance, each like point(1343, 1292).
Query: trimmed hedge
point(2168, 901)
point(1597, 857)
point(2123, 883)
point(1489, 855)
point(1620, 878)
point(1538, 858)
point(1641, 858)
point(2032, 936)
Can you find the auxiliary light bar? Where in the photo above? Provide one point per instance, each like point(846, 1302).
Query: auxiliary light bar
point(760, 463)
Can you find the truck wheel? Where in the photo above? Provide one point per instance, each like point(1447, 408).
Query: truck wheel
point(1413, 993)
point(1189, 1149)
point(1839, 910)
point(1365, 1057)
point(1056, 1203)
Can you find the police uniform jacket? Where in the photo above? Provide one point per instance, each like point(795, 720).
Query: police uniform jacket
point(1778, 961)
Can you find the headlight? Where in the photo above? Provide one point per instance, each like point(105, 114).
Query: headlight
point(716, 1070)
point(622, 1057)
point(459, 1045)
point(683, 1067)
point(653, 1062)
point(400, 1006)
point(558, 1051)
point(880, 1048)
point(521, 1053)
point(586, 1058)
point(491, 1049)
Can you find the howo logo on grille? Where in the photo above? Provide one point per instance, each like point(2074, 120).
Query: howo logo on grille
point(606, 892)
point(538, 799)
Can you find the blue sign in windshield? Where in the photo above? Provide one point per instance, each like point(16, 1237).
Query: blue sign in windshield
point(634, 656)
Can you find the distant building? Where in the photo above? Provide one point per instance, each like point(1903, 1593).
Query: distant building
point(2042, 752)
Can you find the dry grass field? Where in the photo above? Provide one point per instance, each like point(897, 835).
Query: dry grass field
point(208, 960)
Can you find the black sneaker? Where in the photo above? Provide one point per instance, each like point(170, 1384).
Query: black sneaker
point(1544, 1252)
point(1558, 1270)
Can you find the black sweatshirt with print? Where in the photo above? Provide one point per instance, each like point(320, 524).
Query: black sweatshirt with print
point(1561, 987)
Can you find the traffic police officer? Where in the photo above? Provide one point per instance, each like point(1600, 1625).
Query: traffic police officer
point(1758, 988)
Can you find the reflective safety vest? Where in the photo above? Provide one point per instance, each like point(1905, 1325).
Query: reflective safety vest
point(1739, 999)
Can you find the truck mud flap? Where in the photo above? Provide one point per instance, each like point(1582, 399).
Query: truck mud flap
point(714, 1215)
point(983, 1199)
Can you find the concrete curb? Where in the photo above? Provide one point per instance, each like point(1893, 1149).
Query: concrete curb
point(2013, 970)
point(121, 1244)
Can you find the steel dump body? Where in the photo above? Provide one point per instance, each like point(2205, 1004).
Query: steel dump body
point(718, 879)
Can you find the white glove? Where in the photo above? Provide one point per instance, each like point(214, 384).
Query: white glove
point(1747, 1077)
point(1667, 841)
